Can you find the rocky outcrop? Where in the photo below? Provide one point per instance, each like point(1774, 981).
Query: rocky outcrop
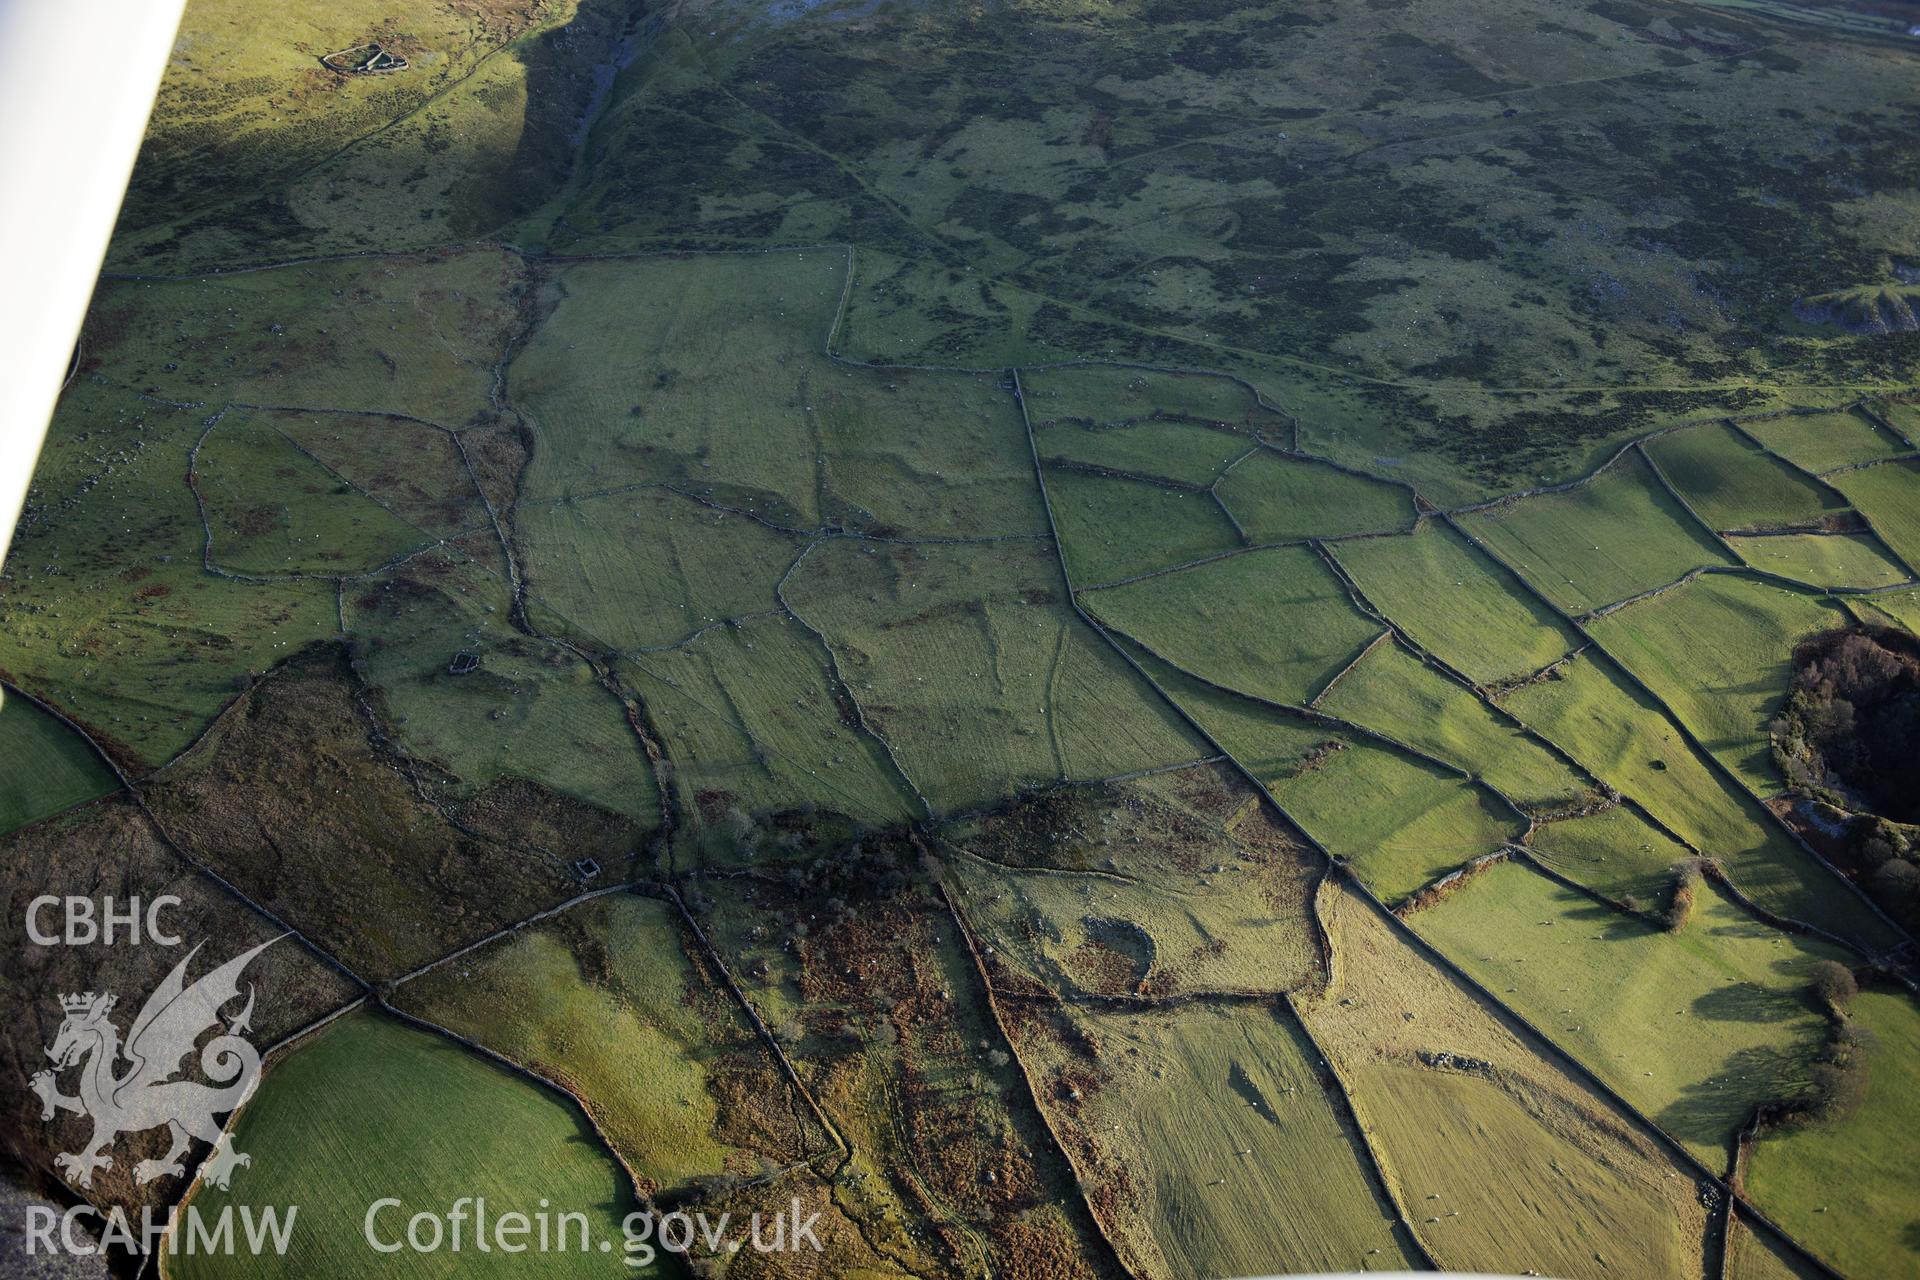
point(1873, 310)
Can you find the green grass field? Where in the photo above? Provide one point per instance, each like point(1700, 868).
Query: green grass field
point(484, 149)
point(1280, 499)
point(1623, 738)
point(413, 470)
point(1457, 603)
point(51, 767)
point(634, 335)
point(1460, 1143)
point(1735, 484)
point(604, 1002)
point(400, 335)
point(1269, 743)
point(274, 510)
point(1719, 652)
point(620, 387)
point(1168, 448)
point(1694, 1028)
point(1898, 608)
point(752, 718)
point(1213, 933)
point(1823, 441)
point(966, 661)
point(1214, 1131)
point(1114, 528)
point(1142, 233)
point(1823, 560)
point(1615, 851)
point(375, 1109)
point(1456, 1106)
point(1216, 620)
point(1114, 395)
point(1609, 539)
point(926, 455)
point(1395, 693)
point(1889, 496)
point(1139, 232)
point(1840, 1186)
point(904, 310)
point(1417, 824)
point(450, 169)
point(1903, 415)
point(149, 645)
point(1753, 1256)
point(529, 708)
point(648, 569)
point(106, 610)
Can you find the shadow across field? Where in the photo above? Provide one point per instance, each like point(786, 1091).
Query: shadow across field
point(1699, 1114)
point(229, 180)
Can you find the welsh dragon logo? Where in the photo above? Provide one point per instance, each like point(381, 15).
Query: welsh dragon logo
point(145, 1095)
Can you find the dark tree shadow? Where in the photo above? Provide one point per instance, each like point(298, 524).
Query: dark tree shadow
point(1712, 1109)
point(1748, 1002)
point(1611, 925)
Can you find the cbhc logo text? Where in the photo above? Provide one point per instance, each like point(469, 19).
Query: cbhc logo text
point(78, 922)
